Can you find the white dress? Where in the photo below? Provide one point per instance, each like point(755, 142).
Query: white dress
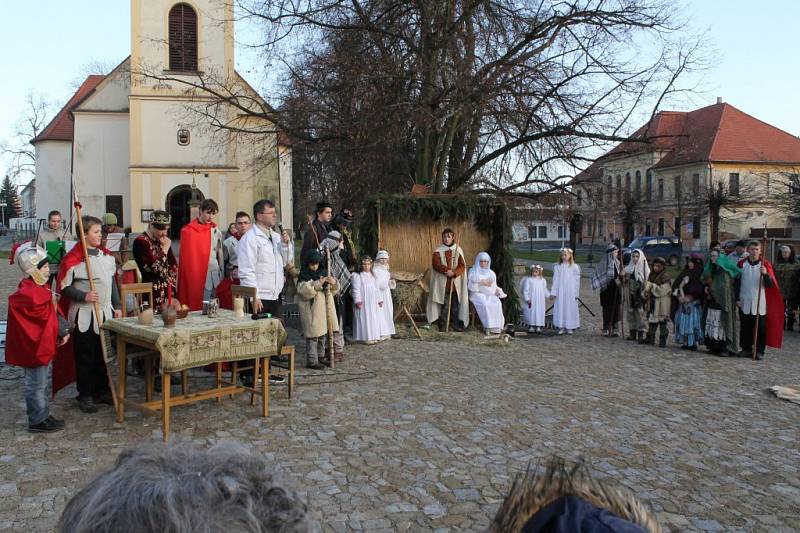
point(367, 320)
point(534, 290)
point(487, 303)
point(384, 284)
point(566, 288)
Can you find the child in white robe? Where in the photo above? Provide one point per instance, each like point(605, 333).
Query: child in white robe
point(566, 289)
point(367, 304)
point(385, 284)
point(485, 294)
point(534, 298)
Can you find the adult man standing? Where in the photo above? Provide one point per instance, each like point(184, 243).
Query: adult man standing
point(448, 266)
point(740, 252)
point(200, 257)
point(319, 227)
point(229, 249)
point(260, 262)
point(153, 255)
point(758, 294)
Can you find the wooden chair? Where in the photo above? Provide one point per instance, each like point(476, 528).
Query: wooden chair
point(150, 359)
point(287, 369)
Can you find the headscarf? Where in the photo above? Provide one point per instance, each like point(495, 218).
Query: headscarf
point(476, 269)
point(382, 254)
point(780, 259)
point(306, 274)
point(725, 263)
point(605, 272)
point(641, 270)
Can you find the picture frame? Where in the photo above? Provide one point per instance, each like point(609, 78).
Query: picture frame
point(145, 215)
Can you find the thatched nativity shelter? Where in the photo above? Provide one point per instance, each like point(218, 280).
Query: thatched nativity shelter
point(409, 228)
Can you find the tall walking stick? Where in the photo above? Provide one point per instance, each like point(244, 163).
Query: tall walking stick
point(453, 265)
point(95, 305)
point(760, 288)
point(328, 302)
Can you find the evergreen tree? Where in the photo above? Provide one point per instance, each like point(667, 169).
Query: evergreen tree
point(10, 197)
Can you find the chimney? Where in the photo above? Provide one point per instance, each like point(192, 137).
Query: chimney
point(719, 99)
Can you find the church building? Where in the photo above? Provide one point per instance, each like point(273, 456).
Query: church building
point(145, 137)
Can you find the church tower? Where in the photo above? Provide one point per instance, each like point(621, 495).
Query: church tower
point(177, 156)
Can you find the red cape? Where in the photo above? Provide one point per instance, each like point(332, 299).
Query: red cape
point(32, 326)
point(775, 310)
point(64, 365)
point(193, 263)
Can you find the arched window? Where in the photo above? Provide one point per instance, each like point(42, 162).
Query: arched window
point(182, 38)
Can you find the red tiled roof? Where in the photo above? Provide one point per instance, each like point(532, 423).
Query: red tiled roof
point(60, 128)
point(716, 133)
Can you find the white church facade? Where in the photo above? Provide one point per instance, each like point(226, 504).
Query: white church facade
point(143, 137)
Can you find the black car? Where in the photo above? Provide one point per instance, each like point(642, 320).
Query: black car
point(670, 248)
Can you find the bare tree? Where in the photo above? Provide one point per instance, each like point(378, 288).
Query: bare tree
point(18, 150)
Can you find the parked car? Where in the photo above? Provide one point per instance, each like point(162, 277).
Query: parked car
point(670, 248)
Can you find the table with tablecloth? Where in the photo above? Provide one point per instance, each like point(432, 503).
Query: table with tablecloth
point(196, 341)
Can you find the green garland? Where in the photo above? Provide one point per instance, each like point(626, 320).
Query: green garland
point(489, 214)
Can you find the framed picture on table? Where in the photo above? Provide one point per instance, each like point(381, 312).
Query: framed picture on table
point(145, 215)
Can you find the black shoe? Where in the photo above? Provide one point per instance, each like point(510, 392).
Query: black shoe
point(685, 347)
point(87, 405)
point(48, 425)
point(316, 366)
point(692, 348)
point(631, 337)
point(104, 398)
point(276, 379)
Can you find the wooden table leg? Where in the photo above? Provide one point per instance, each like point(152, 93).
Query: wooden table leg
point(165, 388)
point(122, 362)
point(184, 382)
point(219, 379)
point(148, 378)
point(264, 385)
point(256, 366)
point(291, 372)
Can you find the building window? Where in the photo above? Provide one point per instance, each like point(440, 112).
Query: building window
point(542, 232)
point(677, 187)
point(601, 226)
point(638, 186)
point(114, 205)
point(647, 228)
point(677, 225)
point(600, 195)
point(580, 197)
point(733, 184)
point(610, 190)
point(660, 227)
point(619, 189)
point(182, 38)
point(627, 185)
point(794, 184)
point(649, 186)
point(696, 185)
point(660, 188)
point(561, 232)
point(696, 227)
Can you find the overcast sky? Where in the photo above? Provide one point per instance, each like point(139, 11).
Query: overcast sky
point(47, 45)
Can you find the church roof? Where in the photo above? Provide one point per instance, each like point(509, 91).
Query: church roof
point(60, 128)
point(716, 133)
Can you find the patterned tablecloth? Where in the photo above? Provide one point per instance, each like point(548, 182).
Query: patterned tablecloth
point(198, 340)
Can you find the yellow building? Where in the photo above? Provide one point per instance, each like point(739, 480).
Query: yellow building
point(142, 138)
point(664, 181)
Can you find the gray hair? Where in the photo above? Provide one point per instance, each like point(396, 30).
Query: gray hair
point(178, 490)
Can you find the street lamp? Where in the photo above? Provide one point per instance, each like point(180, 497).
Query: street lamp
point(3, 211)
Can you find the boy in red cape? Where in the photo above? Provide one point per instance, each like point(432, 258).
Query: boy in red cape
point(768, 304)
point(200, 258)
point(34, 331)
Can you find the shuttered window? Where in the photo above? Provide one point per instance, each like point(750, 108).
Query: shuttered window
point(182, 38)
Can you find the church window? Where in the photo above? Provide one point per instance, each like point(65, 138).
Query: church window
point(182, 38)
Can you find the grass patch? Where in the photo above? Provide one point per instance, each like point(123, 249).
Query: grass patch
point(5, 254)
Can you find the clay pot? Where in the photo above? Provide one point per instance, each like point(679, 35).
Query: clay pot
point(169, 315)
point(145, 317)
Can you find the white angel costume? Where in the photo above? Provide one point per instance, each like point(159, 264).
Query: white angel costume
point(367, 320)
point(385, 284)
point(534, 290)
point(566, 289)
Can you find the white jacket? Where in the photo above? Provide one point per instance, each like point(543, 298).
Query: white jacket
point(260, 262)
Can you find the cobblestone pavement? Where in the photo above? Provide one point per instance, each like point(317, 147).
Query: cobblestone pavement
point(420, 435)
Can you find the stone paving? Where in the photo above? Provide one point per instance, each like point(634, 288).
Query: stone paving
point(425, 435)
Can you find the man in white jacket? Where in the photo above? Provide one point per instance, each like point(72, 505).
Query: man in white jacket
point(260, 262)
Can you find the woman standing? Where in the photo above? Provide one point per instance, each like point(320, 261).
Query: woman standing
point(787, 272)
point(722, 317)
point(566, 289)
point(635, 276)
point(485, 294)
point(607, 280)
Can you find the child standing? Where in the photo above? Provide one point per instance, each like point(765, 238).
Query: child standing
point(657, 292)
point(566, 289)
point(367, 304)
point(315, 306)
point(34, 332)
point(386, 284)
point(73, 282)
point(690, 290)
point(534, 295)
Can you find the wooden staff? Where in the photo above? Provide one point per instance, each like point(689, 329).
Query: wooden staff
point(760, 289)
point(95, 305)
point(453, 266)
point(328, 301)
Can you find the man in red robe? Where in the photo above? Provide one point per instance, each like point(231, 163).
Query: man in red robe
point(766, 303)
point(200, 258)
point(34, 332)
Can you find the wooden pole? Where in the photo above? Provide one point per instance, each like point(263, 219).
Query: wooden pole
point(411, 318)
point(96, 305)
point(328, 302)
point(453, 265)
